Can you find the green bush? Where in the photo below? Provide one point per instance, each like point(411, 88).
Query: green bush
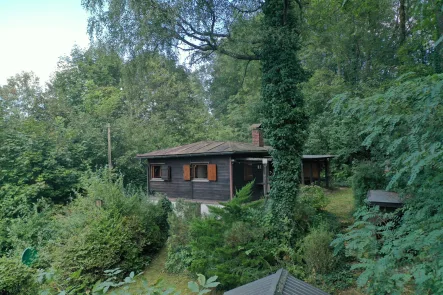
point(341, 174)
point(16, 278)
point(179, 259)
point(218, 250)
point(179, 251)
point(309, 210)
point(367, 176)
point(237, 243)
point(335, 281)
point(316, 251)
point(5, 243)
point(313, 196)
point(123, 233)
point(34, 229)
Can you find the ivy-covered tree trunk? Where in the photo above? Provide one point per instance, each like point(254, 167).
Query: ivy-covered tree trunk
point(284, 119)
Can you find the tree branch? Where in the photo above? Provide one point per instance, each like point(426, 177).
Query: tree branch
point(247, 11)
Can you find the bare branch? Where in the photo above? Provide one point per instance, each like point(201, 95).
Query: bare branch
point(248, 11)
point(239, 55)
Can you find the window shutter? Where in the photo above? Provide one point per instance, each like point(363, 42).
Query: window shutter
point(186, 172)
point(166, 172)
point(212, 172)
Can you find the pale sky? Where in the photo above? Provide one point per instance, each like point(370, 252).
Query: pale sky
point(35, 33)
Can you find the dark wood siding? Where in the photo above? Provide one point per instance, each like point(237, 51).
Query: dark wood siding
point(177, 187)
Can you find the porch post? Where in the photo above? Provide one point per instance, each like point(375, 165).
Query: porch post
point(327, 172)
point(302, 173)
point(265, 176)
point(147, 178)
point(311, 178)
point(231, 182)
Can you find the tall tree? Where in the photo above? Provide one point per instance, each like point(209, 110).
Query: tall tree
point(284, 118)
point(23, 94)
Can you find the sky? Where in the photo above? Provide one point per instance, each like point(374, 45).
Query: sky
point(35, 33)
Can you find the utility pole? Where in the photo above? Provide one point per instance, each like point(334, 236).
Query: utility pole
point(109, 147)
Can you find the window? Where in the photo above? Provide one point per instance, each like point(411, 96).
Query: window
point(160, 172)
point(206, 172)
point(156, 171)
point(200, 171)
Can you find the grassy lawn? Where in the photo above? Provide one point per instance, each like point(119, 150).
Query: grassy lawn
point(341, 204)
point(156, 271)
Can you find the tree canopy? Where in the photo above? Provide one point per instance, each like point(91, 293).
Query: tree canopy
point(199, 27)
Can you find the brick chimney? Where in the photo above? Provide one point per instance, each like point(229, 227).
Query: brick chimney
point(257, 135)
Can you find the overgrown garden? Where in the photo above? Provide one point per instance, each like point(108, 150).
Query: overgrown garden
point(362, 81)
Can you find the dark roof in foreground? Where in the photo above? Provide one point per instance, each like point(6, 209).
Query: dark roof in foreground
point(280, 283)
point(205, 148)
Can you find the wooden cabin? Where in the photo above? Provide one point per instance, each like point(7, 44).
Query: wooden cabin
point(214, 170)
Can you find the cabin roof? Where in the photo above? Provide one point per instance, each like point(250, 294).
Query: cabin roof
point(206, 148)
point(203, 148)
point(279, 283)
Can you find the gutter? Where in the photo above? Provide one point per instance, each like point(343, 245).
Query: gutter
point(199, 154)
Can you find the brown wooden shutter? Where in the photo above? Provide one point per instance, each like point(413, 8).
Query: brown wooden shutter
point(212, 172)
point(186, 172)
point(166, 172)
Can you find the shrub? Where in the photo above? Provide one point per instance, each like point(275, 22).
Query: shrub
point(34, 229)
point(367, 176)
point(123, 233)
point(179, 259)
point(218, 250)
point(313, 196)
point(179, 250)
point(236, 242)
point(309, 210)
point(16, 278)
point(316, 251)
point(335, 281)
point(341, 174)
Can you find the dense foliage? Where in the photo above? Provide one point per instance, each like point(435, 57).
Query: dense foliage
point(16, 278)
point(402, 128)
point(179, 249)
point(123, 232)
point(316, 251)
point(106, 226)
point(367, 176)
point(237, 242)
